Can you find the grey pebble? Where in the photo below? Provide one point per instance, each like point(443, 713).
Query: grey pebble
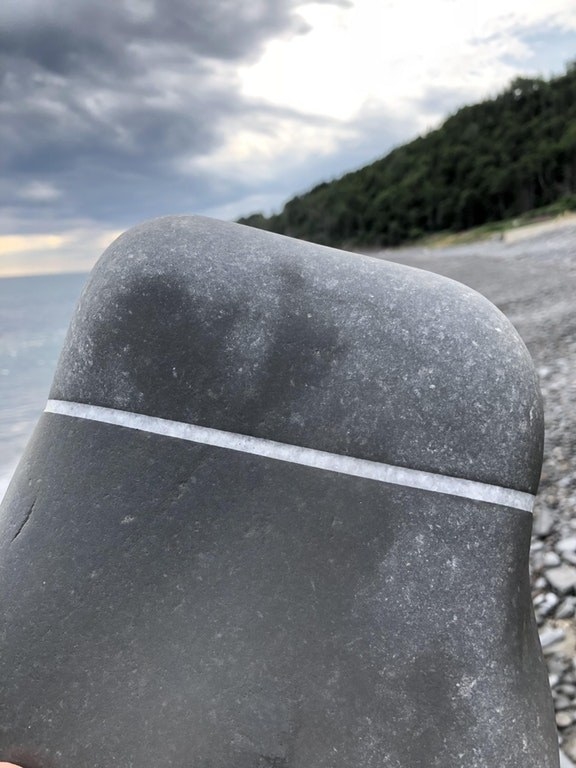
point(544, 522)
point(566, 545)
point(562, 702)
point(551, 637)
point(557, 665)
point(549, 603)
point(562, 579)
point(566, 609)
point(564, 719)
point(569, 557)
point(551, 560)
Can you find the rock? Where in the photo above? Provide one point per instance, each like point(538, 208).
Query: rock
point(566, 545)
point(557, 665)
point(551, 560)
point(569, 557)
point(564, 719)
point(561, 579)
point(220, 575)
point(569, 747)
point(566, 609)
point(551, 637)
point(543, 522)
point(550, 603)
point(562, 702)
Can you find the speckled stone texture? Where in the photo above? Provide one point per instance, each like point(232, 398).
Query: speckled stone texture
point(167, 603)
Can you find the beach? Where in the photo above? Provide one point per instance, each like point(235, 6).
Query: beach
point(532, 279)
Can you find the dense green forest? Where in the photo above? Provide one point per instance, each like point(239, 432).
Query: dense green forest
point(491, 161)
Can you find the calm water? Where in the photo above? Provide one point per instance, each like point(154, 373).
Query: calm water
point(34, 316)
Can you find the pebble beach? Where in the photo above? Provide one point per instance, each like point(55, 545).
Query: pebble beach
point(532, 279)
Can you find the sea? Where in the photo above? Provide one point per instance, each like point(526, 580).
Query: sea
point(34, 316)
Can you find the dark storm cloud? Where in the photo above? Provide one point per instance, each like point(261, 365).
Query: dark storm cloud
point(102, 101)
point(62, 36)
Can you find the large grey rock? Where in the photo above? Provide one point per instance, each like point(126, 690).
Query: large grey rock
point(174, 602)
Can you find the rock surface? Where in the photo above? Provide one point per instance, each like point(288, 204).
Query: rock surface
point(187, 598)
point(534, 284)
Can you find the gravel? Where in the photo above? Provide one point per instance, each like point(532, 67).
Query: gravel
point(534, 283)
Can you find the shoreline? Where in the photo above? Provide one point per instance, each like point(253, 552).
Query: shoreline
point(526, 231)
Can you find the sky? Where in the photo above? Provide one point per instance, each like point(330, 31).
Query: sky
point(116, 111)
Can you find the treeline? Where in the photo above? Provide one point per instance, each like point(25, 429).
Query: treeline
point(494, 160)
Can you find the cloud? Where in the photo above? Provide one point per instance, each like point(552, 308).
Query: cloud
point(103, 104)
point(266, 161)
point(15, 244)
point(38, 192)
point(66, 37)
point(396, 51)
point(74, 250)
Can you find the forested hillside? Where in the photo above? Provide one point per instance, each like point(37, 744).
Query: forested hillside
point(494, 160)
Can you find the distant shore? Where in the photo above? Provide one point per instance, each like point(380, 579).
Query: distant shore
point(515, 234)
point(531, 277)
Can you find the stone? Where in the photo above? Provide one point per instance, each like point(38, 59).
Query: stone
point(549, 603)
point(564, 719)
point(569, 747)
point(558, 665)
point(551, 560)
point(544, 522)
point(276, 514)
point(569, 557)
point(551, 637)
point(562, 702)
point(566, 545)
point(561, 579)
point(566, 609)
